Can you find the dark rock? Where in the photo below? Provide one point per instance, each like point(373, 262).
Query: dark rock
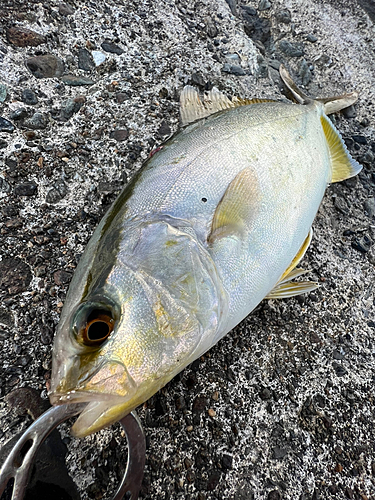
point(112, 48)
point(47, 66)
point(3, 92)
point(38, 121)
point(226, 462)
point(15, 275)
point(3, 144)
point(369, 206)
point(305, 72)
point(26, 189)
point(198, 80)
point(311, 38)
point(291, 49)
point(369, 7)
point(257, 28)
point(244, 492)
point(249, 10)
point(213, 480)
point(29, 97)
point(211, 28)
point(336, 354)
point(359, 139)
point(339, 369)
point(349, 112)
point(265, 394)
point(65, 9)
point(61, 277)
point(278, 453)
point(122, 97)
point(233, 69)
point(283, 16)
point(76, 81)
point(70, 108)
point(6, 125)
point(164, 129)
point(264, 5)
point(85, 60)
point(232, 6)
point(200, 404)
point(120, 134)
point(18, 114)
point(180, 403)
point(23, 37)
point(274, 495)
point(362, 244)
point(57, 193)
point(4, 186)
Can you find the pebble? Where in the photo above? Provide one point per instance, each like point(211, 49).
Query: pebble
point(65, 9)
point(85, 60)
point(120, 134)
point(305, 72)
point(273, 495)
point(200, 403)
point(38, 121)
point(212, 412)
point(47, 66)
point(15, 275)
point(3, 92)
point(26, 189)
point(362, 244)
point(311, 38)
point(23, 37)
point(278, 453)
point(4, 186)
point(70, 108)
point(164, 129)
point(369, 206)
point(76, 81)
point(98, 57)
point(122, 97)
point(283, 16)
point(29, 97)
point(6, 125)
point(359, 139)
point(57, 193)
point(291, 49)
point(339, 369)
point(61, 277)
point(264, 5)
point(18, 114)
point(112, 48)
point(3, 144)
point(233, 69)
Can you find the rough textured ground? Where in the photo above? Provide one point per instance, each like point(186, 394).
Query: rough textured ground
point(292, 387)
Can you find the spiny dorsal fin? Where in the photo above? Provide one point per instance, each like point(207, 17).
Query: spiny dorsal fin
point(193, 108)
point(237, 208)
point(342, 164)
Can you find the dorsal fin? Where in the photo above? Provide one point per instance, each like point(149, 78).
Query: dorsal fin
point(342, 164)
point(330, 104)
point(193, 107)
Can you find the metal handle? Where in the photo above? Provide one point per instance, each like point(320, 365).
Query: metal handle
point(19, 461)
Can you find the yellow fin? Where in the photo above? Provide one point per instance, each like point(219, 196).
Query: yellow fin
point(297, 259)
point(343, 165)
point(193, 107)
point(237, 208)
point(291, 289)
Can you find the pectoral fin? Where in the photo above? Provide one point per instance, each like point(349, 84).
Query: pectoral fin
point(343, 165)
point(237, 208)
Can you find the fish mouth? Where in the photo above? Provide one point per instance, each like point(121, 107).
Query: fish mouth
point(107, 391)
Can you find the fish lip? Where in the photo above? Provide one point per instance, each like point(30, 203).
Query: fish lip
point(80, 396)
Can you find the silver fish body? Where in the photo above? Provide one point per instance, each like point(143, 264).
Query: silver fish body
point(199, 237)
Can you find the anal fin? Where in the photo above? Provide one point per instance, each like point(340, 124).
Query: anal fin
point(285, 287)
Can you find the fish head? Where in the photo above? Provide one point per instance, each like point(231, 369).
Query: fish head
point(135, 328)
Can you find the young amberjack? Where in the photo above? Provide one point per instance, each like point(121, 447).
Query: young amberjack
point(213, 223)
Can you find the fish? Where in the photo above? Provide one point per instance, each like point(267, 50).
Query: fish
point(215, 221)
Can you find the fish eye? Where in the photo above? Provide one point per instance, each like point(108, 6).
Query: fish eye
point(93, 324)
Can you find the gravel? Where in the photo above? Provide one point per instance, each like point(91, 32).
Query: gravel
point(282, 407)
